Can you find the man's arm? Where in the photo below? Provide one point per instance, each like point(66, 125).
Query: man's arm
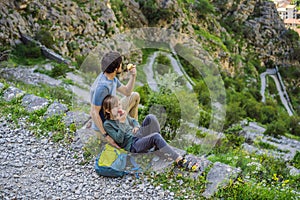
point(127, 90)
point(97, 120)
point(95, 110)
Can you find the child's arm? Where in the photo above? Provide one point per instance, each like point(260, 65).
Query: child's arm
point(134, 124)
point(115, 132)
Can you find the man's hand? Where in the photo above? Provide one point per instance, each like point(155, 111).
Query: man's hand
point(112, 142)
point(132, 70)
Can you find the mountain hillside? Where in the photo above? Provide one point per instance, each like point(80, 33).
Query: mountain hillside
point(222, 76)
point(251, 29)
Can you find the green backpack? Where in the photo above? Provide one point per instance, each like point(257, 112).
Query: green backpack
point(111, 162)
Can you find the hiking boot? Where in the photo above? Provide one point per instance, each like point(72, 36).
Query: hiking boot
point(189, 164)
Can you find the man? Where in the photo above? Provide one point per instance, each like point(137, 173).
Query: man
point(108, 84)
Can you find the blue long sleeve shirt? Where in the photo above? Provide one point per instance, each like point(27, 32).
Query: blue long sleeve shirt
point(121, 133)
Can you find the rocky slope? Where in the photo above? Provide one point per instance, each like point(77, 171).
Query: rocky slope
point(43, 163)
point(78, 26)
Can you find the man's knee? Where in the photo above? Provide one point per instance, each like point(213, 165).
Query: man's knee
point(135, 96)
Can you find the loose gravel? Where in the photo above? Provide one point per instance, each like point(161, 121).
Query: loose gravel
point(37, 168)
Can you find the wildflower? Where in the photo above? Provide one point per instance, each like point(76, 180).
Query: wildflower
point(275, 178)
point(240, 179)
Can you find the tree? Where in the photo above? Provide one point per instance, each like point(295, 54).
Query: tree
point(276, 128)
point(295, 2)
point(295, 125)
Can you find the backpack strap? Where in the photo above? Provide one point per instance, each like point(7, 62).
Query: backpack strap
point(136, 167)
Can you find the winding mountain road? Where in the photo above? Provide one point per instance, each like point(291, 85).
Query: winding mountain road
point(281, 91)
point(148, 70)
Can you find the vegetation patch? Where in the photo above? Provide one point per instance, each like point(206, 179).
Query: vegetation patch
point(26, 54)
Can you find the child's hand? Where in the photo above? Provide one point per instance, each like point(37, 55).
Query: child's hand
point(121, 115)
point(135, 129)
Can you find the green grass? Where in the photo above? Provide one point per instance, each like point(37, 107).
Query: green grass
point(294, 137)
point(248, 190)
point(13, 111)
point(266, 145)
point(212, 38)
point(262, 176)
point(59, 93)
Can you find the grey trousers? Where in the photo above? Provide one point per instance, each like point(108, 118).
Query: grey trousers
point(148, 137)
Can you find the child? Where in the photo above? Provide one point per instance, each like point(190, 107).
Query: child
point(128, 134)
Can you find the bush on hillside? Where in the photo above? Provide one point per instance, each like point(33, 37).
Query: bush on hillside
point(154, 13)
point(29, 50)
point(203, 7)
point(296, 160)
point(144, 92)
point(167, 109)
point(45, 38)
point(294, 125)
point(276, 128)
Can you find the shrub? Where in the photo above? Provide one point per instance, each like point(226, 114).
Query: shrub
point(29, 50)
point(167, 108)
point(144, 92)
point(268, 114)
point(59, 70)
point(154, 13)
point(276, 128)
point(204, 118)
point(253, 109)
point(190, 69)
point(203, 93)
point(296, 160)
point(295, 125)
point(45, 38)
point(234, 113)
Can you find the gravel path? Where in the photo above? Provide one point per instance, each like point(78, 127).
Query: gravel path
point(32, 168)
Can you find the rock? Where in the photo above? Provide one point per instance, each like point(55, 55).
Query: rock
point(218, 177)
point(294, 171)
point(1, 86)
point(11, 93)
point(28, 76)
point(33, 103)
point(55, 108)
point(79, 118)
